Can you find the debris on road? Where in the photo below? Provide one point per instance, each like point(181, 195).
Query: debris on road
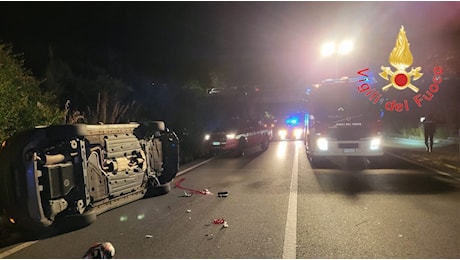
point(218, 221)
point(202, 192)
point(222, 194)
point(104, 250)
point(225, 225)
point(187, 194)
point(148, 236)
point(189, 210)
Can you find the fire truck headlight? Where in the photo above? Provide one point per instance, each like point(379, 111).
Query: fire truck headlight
point(298, 133)
point(231, 136)
point(322, 144)
point(375, 144)
point(282, 133)
point(206, 137)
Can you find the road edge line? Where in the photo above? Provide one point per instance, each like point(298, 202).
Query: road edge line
point(421, 165)
point(194, 167)
point(17, 249)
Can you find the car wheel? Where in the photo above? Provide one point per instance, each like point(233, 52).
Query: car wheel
point(241, 148)
point(265, 144)
point(70, 222)
point(159, 190)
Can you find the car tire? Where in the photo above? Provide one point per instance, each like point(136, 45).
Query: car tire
point(265, 144)
point(71, 222)
point(159, 190)
point(241, 148)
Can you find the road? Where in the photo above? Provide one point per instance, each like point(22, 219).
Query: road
point(279, 207)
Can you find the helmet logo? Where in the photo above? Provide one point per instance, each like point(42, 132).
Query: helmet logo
point(401, 58)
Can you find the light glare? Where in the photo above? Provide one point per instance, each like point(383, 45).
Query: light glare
point(375, 144)
point(328, 49)
point(345, 47)
point(322, 144)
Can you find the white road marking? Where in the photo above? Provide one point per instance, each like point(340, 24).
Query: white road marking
point(194, 167)
point(17, 249)
point(290, 235)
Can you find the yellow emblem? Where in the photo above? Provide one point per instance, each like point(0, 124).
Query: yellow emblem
point(401, 58)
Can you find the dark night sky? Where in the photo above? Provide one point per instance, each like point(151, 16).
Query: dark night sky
point(265, 43)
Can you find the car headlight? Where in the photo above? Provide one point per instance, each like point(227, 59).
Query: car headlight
point(230, 136)
point(282, 134)
point(298, 133)
point(375, 143)
point(322, 144)
point(207, 137)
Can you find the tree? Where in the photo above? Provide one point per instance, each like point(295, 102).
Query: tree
point(110, 107)
point(90, 93)
point(23, 104)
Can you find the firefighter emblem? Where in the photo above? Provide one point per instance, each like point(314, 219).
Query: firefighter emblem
point(401, 59)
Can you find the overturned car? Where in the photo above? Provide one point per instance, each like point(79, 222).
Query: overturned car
point(65, 175)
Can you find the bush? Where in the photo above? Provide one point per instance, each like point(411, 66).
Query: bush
point(23, 105)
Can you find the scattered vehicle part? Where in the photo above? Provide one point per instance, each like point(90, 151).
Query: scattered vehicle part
point(222, 194)
point(103, 250)
point(218, 221)
point(203, 192)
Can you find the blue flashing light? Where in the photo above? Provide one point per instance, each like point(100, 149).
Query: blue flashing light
point(292, 120)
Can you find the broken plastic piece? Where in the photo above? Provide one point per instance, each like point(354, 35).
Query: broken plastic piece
point(203, 192)
point(148, 236)
point(187, 194)
point(189, 210)
point(222, 194)
point(218, 221)
point(225, 224)
point(103, 250)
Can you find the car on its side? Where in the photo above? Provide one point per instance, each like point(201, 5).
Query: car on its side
point(63, 176)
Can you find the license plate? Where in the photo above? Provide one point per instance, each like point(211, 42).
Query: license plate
point(215, 143)
point(349, 150)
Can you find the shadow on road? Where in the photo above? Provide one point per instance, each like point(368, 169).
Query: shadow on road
point(388, 176)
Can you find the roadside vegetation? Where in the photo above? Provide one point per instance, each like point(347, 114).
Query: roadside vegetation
point(23, 104)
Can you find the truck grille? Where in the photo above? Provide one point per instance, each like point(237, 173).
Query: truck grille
point(348, 145)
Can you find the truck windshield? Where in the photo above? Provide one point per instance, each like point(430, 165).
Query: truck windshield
point(340, 105)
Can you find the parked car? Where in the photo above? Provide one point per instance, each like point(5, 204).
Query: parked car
point(238, 136)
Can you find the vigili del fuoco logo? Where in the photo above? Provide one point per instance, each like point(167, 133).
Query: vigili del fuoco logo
point(400, 79)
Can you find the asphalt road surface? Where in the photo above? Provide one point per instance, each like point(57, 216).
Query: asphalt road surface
point(279, 207)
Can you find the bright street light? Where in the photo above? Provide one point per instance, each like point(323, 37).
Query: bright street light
point(328, 49)
point(345, 47)
point(336, 50)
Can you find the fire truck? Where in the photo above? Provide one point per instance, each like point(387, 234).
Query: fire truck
point(63, 176)
point(341, 122)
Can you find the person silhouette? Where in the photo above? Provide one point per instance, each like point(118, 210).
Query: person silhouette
point(429, 128)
